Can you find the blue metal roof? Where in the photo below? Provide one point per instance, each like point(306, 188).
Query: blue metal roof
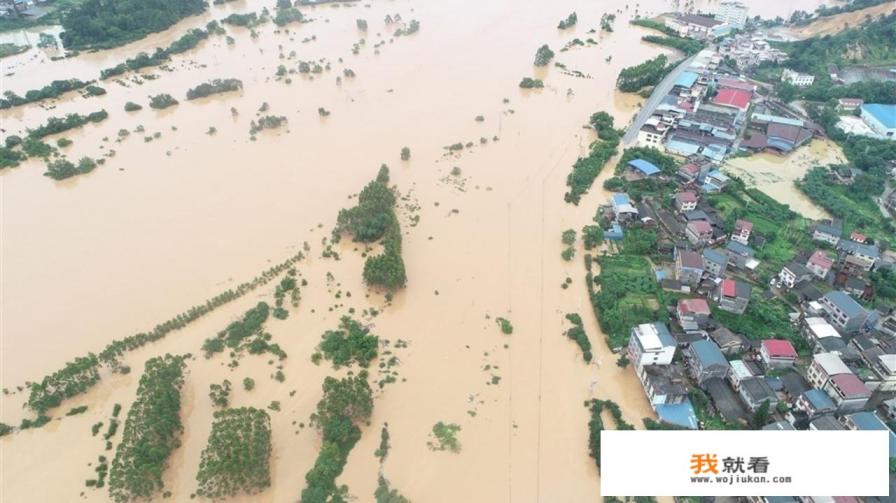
point(663, 332)
point(885, 114)
point(870, 421)
point(620, 199)
point(644, 167)
point(819, 399)
point(708, 353)
point(715, 256)
point(740, 248)
point(686, 79)
point(846, 303)
point(681, 414)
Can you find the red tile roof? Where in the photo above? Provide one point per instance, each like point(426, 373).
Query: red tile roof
point(744, 225)
point(729, 288)
point(733, 98)
point(820, 259)
point(700, 227)
point(690, 168)
point(777, 348)
point(850, 385)
point(858, 237)
point(687, 196)
point(693, 306)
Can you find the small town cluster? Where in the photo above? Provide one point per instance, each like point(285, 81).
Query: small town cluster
point(832, 373)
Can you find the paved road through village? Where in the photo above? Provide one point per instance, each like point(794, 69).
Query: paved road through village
point(661, 90)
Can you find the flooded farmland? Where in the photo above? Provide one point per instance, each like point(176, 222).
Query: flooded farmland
point(176, 215)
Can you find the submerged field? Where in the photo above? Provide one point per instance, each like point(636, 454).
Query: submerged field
point(194, 199)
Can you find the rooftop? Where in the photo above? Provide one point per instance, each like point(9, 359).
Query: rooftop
point(733, 97)
point(821, 259)
point(687, 196)
point(826, 422)
point(740, 248)
point(690, 259)
point(819, 399)
point(831, 364)
point(686, 79)
point(700, 227)
point(779, 348)
point(757, 389)
point(704, 21)
point(715, 256)
point(885, 114)
point(820, 328)
point(693, 306)
point(654, 336)
point(851, 386)
point(644, 166)
point(845, 303)
point(680, 414)
point(708, 353)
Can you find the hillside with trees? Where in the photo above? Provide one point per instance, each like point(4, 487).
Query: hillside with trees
point(110, 23)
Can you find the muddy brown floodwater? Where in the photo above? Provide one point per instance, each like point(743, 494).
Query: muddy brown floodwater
point(165, 224)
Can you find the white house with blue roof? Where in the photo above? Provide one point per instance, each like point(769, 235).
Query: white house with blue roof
point(880, 118)
point(651, 344)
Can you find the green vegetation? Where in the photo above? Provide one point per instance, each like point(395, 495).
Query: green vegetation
point(56, 125)
point(248, 384)
point(63, 168)
point(444, 437)
point(286, 16)
point(654, 25)
point(577, 333)
point(8, 49)
point(628, 295)
point(5, 429)
point(150, 432)
point(412, 27)
point(33, 147)
point(110, 23)
point(504, 325)
point(345, 403)
point(266, 122)
point(649, 73)
point(586, 169)
point(385, 494)
point(132, 107)
point(214, 87)
point(374, 219)
point(569, 22)
point(237, 456)
point(10, 158)
point(854, 204)
point(763, 319)
point(52, 90)
point(351, 343)
point(183, 44)
point(74, 411)
point(94, 90)
point(405, 153)
point(383, 449)
point(543, 55)
point(245, 333)
point(220, 394)
point(530, 83)
point(82, 373)
point(596, 424)
point(361, 24)
point(162, 101)
point(688, 46)
point(249, 20)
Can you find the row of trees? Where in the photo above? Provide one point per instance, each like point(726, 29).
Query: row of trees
point(251, 323)
point(56, 125)
point(237, 456)
point(649, 73)
point(374, 219)
point(109, 23)
point(577, 333)
point(52, 90)
point(215, 86)
point(151, 431)
point(82, 373)
point(346, 403)
point(183, 44)
point(586, 169)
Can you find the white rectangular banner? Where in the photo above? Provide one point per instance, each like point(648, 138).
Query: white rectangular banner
point(744, 463)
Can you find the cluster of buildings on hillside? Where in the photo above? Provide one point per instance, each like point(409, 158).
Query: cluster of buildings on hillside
point(847, 351)
point(729, 16)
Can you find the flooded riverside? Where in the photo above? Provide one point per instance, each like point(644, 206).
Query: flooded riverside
point(170, 221)
point(775, 174)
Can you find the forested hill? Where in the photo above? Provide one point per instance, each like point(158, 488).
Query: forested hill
point(871, 43)
point(108, 23)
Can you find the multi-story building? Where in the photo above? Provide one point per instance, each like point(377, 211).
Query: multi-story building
point(686, 201)
point(848, 392)
point(733, 14)
point(819, 264)
point(651, 344)
point(815, 402)
point(705, 361)
point(792, 273)
point(845, 313)
point(742, 231)
point(777, 353)
point(733, 295)
point(714, 262)
point(796, 78)
point(823, 367)
point(688, 266)
point(693, 314)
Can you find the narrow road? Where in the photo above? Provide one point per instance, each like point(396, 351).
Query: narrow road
point(659, 92)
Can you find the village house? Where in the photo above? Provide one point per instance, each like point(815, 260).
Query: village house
point(705, 361)
point(714, 262)
point(686, 201)
point(828, 232)
point(815, 402)
point(729, 343)
point(698, 232)
point(826, 422)
point(693, 25)
point(823, 367)
point(623, 210)
point(740, 256)
point(848, 392)
point(849, 104)
point(796, 78)
point(715, 181)
point(755, 390)
point(819, 264)
point(857, 256)
point(693, 314)
point(889, 408)
point(817, 331)
point(880, 118)
point(663, 384)
point(651, 344)
point(638, 169)
point(688, 266)
point(742, 230)
point(733, 295)
point(777, 353)
point(883, 365)
point(845, 313)
point(739, 372)
point(652, 133)
point(689, 172)
point(793, 273)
